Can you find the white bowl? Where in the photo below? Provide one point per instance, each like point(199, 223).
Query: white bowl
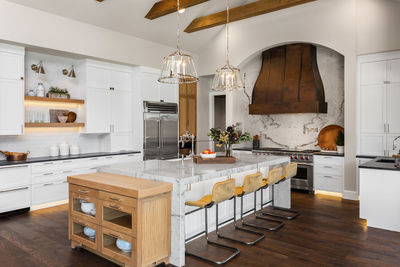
point(208, 156)
point(62, 119)
point(89, 232)
point(87, 207)
point(123, 245)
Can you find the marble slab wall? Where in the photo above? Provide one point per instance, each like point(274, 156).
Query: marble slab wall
point(294, 130)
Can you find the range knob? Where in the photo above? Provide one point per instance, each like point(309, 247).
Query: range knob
point(307, 158)
point(301, 157)
point(295, 157)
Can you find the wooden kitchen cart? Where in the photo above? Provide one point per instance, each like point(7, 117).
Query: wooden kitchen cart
point(131, 209)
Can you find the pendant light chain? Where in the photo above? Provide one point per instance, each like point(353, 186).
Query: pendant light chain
point(227, 32)
point(178, 39)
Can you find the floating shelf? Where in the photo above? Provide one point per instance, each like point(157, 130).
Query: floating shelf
point(53, 124)
point(54, 100)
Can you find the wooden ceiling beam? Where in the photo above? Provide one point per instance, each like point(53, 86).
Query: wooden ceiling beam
point(242, 12)
point(166, 7)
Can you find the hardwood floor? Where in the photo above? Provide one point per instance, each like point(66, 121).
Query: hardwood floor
point(328, 232)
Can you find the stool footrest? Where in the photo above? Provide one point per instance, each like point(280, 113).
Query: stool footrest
point(234, 254)
point(275, 228)
point(289, 217)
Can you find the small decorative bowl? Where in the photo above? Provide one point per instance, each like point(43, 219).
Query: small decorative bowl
point(89, 232)
point(62, 119)
point(208, 156)
point(88, 207)
point(123, 245)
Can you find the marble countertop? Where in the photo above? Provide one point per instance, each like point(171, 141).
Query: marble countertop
point(377, 164)
point(79, 156)
point(187, 172)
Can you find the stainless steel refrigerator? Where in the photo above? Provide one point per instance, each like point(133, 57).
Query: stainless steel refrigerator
point(161, 122)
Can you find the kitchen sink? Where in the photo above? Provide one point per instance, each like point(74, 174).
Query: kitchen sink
point(386, 161)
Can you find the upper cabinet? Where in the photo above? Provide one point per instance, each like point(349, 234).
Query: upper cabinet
point(152, 90)
point(11, 90)
point(188, 108)
point(379, 92)
point(108, 98)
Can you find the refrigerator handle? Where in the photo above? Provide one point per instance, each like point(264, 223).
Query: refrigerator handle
point(160, 144)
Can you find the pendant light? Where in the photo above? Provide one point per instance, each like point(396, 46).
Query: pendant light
point(227, 78)
point(178, 67)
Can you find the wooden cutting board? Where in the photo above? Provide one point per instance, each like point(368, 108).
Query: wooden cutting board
point(217, 160)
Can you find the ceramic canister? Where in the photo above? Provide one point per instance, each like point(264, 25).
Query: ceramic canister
point(64, 149)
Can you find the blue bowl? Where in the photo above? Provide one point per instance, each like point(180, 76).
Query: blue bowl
point(89, 232)
point(123, 245)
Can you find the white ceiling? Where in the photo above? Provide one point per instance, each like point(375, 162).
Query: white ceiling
point(127, 16)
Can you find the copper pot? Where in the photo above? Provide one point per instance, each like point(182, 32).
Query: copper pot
point(15, 156)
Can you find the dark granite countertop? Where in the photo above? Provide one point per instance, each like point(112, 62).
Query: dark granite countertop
point(366, 156)
point(243, 148)
point(331, 154)
point(377, 164)
point(80, 156)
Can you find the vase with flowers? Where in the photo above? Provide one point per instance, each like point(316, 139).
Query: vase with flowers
point(228, 137)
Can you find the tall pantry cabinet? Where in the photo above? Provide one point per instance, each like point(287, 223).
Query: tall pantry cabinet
point(11, 90)
point(379, 93)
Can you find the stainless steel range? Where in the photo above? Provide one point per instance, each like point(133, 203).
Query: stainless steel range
point(304, 179)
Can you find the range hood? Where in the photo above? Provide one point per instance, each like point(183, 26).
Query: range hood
point(289, 82)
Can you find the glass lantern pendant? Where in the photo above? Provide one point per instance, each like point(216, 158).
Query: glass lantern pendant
point(178, 67)
point(227, 78)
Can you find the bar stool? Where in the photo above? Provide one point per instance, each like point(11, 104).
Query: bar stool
point(221, 191)
point(275, 177)
point(251, 184)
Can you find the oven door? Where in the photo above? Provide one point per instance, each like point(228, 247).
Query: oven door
point(304, 178)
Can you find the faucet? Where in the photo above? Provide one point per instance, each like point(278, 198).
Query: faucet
point(394, 143)
point(187, 137)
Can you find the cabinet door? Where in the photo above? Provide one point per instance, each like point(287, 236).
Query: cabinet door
point(150, 87)
point(98, 111)
point(98, 77)
point(187, 108)
point(169, 92)
point(11, 107)
point(11, 66)
point(389, 145)
point(373, 111)
point(394, 71)
point(373, 73)
point(120, 81)
point(373, 144)
point(393, 108)
point(121, 111)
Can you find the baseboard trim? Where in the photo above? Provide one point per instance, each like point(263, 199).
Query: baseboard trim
point(48, 205)
point(351, 195)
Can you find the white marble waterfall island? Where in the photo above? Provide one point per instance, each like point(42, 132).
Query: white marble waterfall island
point(183, 174)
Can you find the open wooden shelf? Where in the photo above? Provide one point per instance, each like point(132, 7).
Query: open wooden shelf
point(53, 124)
point(54, 100)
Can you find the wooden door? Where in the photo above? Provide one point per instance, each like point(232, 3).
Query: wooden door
point(188, 108)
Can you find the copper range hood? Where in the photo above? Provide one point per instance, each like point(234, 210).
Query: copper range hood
point(289, 82)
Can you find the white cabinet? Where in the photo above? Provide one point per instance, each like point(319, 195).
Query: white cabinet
point(15, 188)
point(379, 92)
point(98, 111)
point(11, 90)
point(152, 90)
point(328, 173)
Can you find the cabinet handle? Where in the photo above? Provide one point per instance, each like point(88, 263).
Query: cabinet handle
point(94, 158)
point(116, 199)
point(326, 176)
point(114, 207)
point(82, 191)
point(49, 173)
point(83, 198)
point(47, 163)
point(388, 128)
point(16, 189)
point(67, 161)
point(48, 184)
point(67, 171)
point(112, 88)
point(328, 167)
point(22, 128)
point(22, 78)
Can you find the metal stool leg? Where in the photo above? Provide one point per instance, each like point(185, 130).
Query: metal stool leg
point(260, 235)
point(279, 223)
point(289, 217)
point(235, 250)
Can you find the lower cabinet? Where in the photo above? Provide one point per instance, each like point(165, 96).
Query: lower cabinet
point(49, 192)
point(15, 198)
point(108, 245)
point(328, 173)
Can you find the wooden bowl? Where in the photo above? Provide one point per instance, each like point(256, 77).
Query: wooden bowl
point(71, 117)
point(327, 137)
point(15, 156)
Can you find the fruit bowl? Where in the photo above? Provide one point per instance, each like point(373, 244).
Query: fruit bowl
point(208, 156)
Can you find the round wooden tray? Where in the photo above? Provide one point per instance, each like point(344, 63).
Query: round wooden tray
point(327, 137)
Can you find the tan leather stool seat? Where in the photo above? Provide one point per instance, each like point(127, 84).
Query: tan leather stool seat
point(204, 201)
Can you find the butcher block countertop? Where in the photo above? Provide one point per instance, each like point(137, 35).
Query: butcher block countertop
point(124, 185)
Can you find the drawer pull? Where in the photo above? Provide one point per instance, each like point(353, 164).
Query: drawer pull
point(326, 176)
point(16, 189)
point(67, 161)
point(49, 173)
point(115, 236)
point(67, 171)
point(94, 158)
point(328, 167)
point(116, 199)
point(48, 163)
point(83, 198)
point(114, 207)
point(48, 184)
point(82, 191)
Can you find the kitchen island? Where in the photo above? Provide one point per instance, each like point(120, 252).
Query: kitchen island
point(184, 173)
point(379, 193)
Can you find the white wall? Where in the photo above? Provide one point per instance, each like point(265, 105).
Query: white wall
point(203, 124)
point(33, 27)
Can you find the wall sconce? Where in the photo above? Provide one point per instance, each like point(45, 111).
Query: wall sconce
point(38, 68)
point(70, 73)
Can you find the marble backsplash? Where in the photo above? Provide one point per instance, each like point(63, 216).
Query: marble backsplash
point(295, 130)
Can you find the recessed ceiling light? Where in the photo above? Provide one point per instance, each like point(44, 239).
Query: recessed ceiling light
point(181, 10)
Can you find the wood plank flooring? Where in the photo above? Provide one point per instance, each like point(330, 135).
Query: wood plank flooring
point(327, 233)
